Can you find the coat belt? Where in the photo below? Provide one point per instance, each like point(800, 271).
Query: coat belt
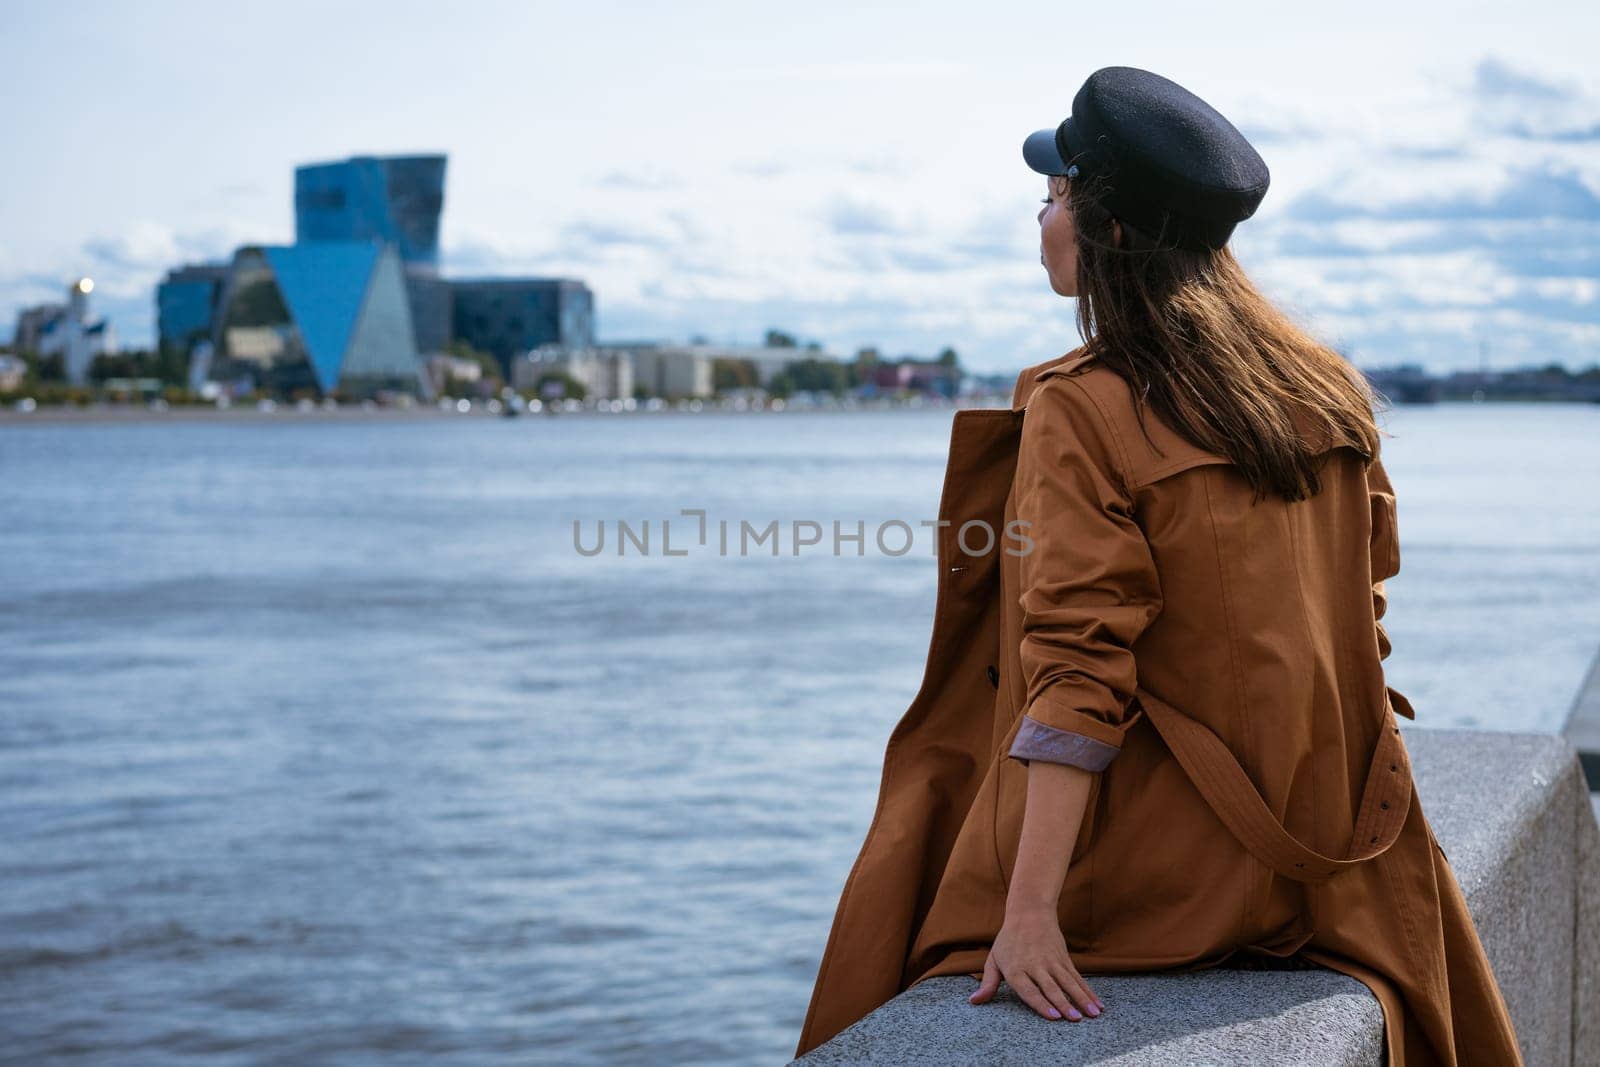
point(1216, 773)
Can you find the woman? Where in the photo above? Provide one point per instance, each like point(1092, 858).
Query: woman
point(1158, 734)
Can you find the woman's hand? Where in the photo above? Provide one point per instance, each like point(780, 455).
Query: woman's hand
point(1031, 955)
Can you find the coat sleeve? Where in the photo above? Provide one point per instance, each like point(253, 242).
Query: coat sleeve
point(1088, 580)
point(1385, 547)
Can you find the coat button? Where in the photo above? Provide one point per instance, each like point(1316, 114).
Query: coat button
point(1394, 766)
point(1384, 804)
point(994, 677)
point(1374, 841)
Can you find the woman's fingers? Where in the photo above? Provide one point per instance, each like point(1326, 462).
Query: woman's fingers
point(1074, 986)
point(1052, 991)
point(1028, 991)
point(990, 984)
point(1094, 997)
point(1043, 994)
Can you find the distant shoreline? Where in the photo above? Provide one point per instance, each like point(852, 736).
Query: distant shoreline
point(127, 414)
point(210, 414)
point(420, 413)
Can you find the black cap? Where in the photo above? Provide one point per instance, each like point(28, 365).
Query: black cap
point(1174, 168)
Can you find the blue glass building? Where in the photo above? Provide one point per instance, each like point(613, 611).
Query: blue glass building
point(506, 317)
point(320, 318)
point(186, 303)
point(396, 199)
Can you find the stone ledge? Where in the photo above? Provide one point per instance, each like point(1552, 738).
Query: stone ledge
point(1513, 815)
point(1215, 1016)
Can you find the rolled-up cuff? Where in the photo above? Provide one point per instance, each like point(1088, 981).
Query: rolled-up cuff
point(1036, 741)
point(1083, 708)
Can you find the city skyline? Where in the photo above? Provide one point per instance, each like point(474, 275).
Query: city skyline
point(357, 302)
point(854, 180)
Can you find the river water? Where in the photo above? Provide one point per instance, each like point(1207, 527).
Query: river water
point(321, 742)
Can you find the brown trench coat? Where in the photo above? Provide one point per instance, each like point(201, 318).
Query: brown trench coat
point(1260, 801)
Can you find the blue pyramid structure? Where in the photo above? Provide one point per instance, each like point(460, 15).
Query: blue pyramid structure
point(324, 286)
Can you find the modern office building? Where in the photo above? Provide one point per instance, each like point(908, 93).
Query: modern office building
point(432, 305)
point(322, 317)
point(393, 199)
point(66, 330)
point(186, 304)
point(508, 316)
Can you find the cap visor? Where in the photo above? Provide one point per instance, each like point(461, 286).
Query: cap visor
point(1040, 152)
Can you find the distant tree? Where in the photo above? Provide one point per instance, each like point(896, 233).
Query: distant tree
point(779, 339)
point(862, 369)
point(112, 365)
point(948, 358)
point(492, 371)
point(781, 385)
point(560, 384)
point(171, 363)
point(734, 374)
point(51, 393)
point(166, 364)
point(48, 368)
point(818, 375)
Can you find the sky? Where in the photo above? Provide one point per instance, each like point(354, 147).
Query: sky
point(848, 172)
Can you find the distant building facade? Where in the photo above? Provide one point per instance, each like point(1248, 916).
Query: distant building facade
point(605, 374)
point(670, 371)
point(1407, 383)
point(13, 371)
point(508, 316)
point(324, 317)
point(186, 304)
point(31, 324)
point(447, 370)
point(67, 330)
point(432, 307)
point(919, 376)
point(676, 371)
point(390, 199)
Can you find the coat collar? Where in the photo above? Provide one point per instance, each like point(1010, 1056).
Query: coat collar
point(1050, 368)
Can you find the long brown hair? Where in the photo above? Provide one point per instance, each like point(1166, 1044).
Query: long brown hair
point(1192, 335)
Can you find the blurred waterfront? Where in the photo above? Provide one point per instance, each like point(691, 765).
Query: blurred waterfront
point(321, 743)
